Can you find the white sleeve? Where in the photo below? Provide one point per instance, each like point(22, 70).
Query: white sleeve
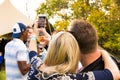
point(22, 55)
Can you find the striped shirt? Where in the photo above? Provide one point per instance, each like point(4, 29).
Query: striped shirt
point(15, 50)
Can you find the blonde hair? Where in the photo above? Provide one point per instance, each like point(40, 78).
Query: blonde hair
point(63, 54)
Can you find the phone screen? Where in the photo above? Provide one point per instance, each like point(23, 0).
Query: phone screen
point(41, 22)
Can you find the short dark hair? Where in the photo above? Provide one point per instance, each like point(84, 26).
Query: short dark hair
point(85, 34)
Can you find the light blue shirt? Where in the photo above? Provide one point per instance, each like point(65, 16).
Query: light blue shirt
point(15, 51)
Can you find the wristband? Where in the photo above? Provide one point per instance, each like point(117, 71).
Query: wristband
point(33, 38)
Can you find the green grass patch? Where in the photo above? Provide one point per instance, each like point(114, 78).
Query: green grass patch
point(2, 75)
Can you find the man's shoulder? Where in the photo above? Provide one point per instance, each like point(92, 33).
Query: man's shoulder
point(96, 65)
point(99, 64)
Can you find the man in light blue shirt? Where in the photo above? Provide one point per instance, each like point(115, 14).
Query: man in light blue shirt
point(16, 54)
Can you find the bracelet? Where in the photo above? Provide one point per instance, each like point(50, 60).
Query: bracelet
point(33, 38)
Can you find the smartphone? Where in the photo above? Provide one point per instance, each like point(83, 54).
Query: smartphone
point(41, 21)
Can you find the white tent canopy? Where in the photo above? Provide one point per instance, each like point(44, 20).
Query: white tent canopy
point(9, 15)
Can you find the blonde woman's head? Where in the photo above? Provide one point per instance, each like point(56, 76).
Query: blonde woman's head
point(63, 53)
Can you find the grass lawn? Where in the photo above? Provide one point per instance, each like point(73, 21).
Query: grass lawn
point(2, 75)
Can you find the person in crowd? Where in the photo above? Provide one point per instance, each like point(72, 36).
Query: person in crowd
point(40, 48)
point(44, 23)
point(42, 52)
point(87, 38)
point(1, 60)
point(42, 39)
point(16, 54)
point(2, 45)
point(30, 30)
point(62, 60)
point(44, 26)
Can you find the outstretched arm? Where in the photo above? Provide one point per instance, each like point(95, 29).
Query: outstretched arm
point(110, 64)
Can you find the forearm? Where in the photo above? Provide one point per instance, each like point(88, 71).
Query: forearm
point(33, 44)
point(111, 65)
point(47, 35)
point(35, 63)
point(24, 68)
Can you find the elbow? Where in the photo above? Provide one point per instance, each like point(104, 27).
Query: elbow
point(119, 76)
point(24, 72)
point(116, 76)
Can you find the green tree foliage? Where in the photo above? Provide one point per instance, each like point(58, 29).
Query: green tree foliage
point(51, 7)
point(81, 9)
point(107, 21)
point(103, 14)
point(56, 8)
